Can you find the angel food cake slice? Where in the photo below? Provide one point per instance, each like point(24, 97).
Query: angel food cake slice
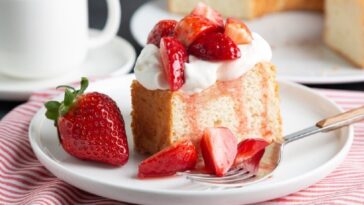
point(248, 106)
point(200, 73)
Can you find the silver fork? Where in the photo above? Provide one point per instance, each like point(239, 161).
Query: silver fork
point(238, 177)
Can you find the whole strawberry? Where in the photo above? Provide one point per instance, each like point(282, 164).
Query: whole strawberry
point(90, 126)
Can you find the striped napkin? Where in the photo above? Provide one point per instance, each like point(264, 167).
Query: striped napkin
point(23, 180)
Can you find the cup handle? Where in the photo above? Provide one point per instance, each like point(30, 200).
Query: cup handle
point(111, 27)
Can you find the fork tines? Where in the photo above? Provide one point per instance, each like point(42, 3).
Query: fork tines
point(235, 177)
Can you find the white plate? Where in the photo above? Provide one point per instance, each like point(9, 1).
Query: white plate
point(304, 162)
point(295, 37)
point(114, 58)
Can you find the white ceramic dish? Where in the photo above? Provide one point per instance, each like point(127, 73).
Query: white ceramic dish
point(114, 58)
point(304, 162)
point(295, 37)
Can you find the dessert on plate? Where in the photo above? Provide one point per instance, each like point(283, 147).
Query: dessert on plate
point(246, 8)
point(344, 29)
point(200, 73)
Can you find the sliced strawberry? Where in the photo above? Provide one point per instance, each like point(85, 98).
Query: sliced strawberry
point(252, 164)
point(249, 147)
point(161, 29)
point(214, 47)
point(238, 31)
point(174, 56)
point(202, 9)
point(192, 26)
point(218, 148)
point(181, 156)
point(250, 152)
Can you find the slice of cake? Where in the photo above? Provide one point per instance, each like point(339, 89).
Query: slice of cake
point(344, 29)
point(205, 74)
point(248, 106)
point(246, 8)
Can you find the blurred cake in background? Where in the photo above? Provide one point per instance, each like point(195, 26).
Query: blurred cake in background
point(246, 8)
point(344, 29)
point(344, 19)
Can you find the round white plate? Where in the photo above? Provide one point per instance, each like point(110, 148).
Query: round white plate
point(114, 58)
point(304, 162)
point(295, 37)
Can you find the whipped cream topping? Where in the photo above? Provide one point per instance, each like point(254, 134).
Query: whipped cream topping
point(200, 74)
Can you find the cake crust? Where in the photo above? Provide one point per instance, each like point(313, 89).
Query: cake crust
point(249, 106)
point(151, 118)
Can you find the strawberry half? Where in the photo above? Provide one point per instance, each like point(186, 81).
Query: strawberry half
point(218, 148)
point(238, 31)
point(161, 29)
point(173, 56)
point(250, 152)
point(252, 164)
point(249, 147)
point(90, 126)
point(192, 26)
point(202, 9)
point(215, 47)
point(181, 156)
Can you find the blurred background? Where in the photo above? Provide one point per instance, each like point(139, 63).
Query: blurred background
point(98, 14)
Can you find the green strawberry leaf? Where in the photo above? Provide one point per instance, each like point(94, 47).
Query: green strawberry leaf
point(63, 110)
point(52, 105)
point(51, 115)
point(57, 109)
point(84, 85)
point(52, 109)
point(68, 97)
point(65, 86)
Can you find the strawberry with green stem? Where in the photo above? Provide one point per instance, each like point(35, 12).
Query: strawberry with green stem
point(90, 125)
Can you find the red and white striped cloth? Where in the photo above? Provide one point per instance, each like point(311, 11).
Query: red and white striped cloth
point(23, 180)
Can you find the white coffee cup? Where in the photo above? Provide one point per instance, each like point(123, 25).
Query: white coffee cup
point(46, 38)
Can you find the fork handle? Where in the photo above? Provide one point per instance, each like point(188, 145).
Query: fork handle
point(328, 124)
point(342, 119)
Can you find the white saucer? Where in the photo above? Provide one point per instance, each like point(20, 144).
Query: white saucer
point(295, 37)
point(304, 162)
point(114, 58)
